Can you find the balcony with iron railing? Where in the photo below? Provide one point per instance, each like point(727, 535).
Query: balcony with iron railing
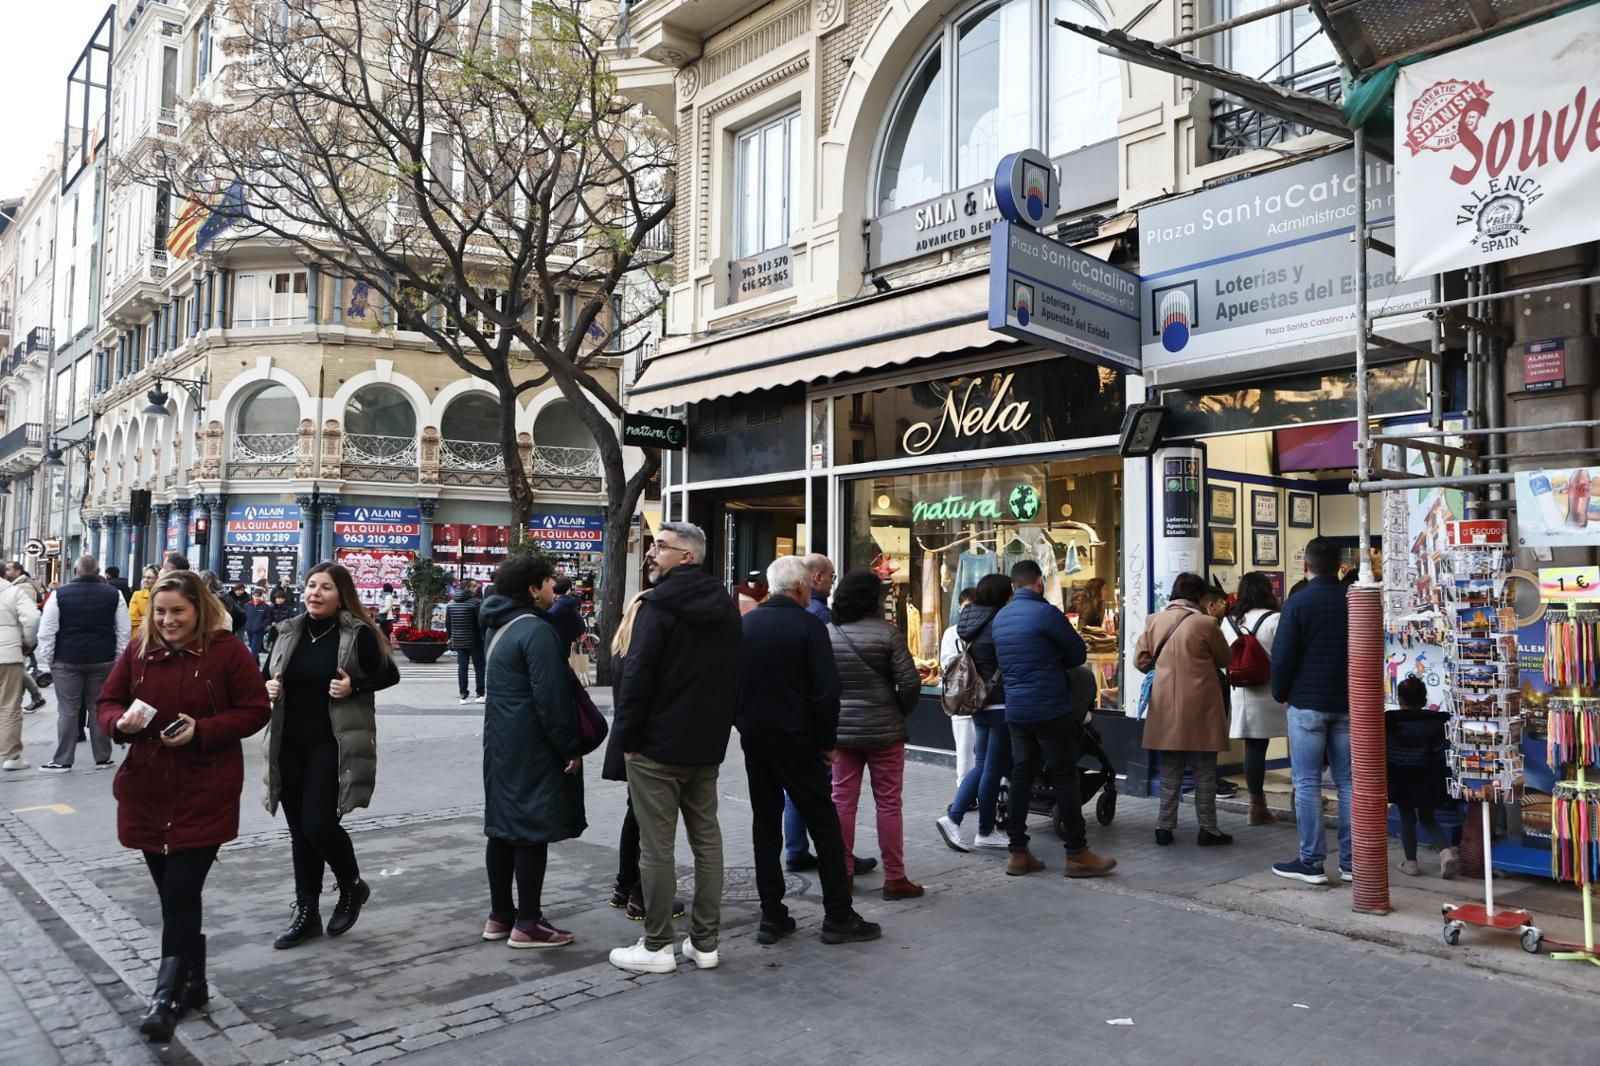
point(1237, 128)
point(22, 448)
point(377, 457)
point(140, 277)
point(38, 340)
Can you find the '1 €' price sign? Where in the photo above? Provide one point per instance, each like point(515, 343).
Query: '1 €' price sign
point(1569, 583)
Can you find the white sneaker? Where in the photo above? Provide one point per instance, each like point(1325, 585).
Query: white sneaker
point(480, 699)
point(19, 763)
point(951, 832)
point(996, 839)
point(705, 960)
point(466, 699)
point(636, 958)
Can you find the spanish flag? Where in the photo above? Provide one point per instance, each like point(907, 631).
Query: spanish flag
point(181, 238)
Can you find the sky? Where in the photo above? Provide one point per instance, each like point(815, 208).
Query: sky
point(38, 44)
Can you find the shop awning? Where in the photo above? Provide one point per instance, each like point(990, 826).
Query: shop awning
point(884, 331)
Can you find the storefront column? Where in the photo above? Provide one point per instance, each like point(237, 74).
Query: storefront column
point(225, 276)
point(313, 291)
point(163, 516)
point(96, 544)
point(328, 505)
point(308, 531)
point(119, 545)
point(181, 508)
point(219, 529)
point(428, 507)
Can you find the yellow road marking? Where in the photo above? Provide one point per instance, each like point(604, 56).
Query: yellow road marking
point(56, 808)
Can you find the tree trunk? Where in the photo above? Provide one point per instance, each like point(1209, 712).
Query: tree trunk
point(622, 500)
point(517, 481)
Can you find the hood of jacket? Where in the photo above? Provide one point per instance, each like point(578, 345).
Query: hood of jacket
point(499, 609)
point(972, 619)
point(692, 596)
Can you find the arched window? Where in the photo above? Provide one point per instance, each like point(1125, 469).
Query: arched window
point(470, 434)
point(380, 427)
point(265, 429)
point(999, 77)
point(562, 445)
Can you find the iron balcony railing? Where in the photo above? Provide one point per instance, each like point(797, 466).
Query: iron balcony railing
point(472, 456)
point(1237, 128)
point(27, 435)
point(264, 447)
point(551, 461)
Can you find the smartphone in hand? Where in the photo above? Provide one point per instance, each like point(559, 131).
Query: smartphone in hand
point(174, 729)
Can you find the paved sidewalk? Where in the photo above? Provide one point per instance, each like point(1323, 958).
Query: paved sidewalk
point(1202, 947)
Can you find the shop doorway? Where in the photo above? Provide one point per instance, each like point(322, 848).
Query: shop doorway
point(746, 530)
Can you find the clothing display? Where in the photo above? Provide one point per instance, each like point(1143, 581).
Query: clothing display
point(973, 566)
point(929, 628)
point(1044, 553)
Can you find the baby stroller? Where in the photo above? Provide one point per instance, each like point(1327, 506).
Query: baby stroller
point(1102, 780)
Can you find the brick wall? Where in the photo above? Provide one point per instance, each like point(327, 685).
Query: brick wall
point(841, 45)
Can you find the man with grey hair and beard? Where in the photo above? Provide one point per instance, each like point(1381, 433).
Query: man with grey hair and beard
point(675, 701)
point(83, 629)
point(788, 721)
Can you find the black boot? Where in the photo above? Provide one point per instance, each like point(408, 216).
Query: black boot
point(196, 993)
point(305, 922)
point(163, 1014)
point(348, 909)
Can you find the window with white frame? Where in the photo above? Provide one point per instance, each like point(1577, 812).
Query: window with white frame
point(275, 298)
point(997, 77)
point(766, 185)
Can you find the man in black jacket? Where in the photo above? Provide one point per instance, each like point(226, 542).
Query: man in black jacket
point(674, 708)
point(466, 636)
point(788, 721)
point(565, 613)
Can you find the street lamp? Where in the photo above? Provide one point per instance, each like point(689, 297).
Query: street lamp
point(1141, 430)
point(53, 454)
point(159, 398)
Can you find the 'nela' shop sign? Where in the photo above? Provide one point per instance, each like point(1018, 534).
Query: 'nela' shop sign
point(363, 526)
point(964, 416)
point(1497, 147)
point(262, 525)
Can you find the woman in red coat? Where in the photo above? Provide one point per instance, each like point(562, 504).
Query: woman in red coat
point(182, 696)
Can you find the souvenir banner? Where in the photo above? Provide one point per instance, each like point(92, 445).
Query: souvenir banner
point(1497, 147)
point(372, 568)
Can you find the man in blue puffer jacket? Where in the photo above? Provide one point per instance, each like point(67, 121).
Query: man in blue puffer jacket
point(1037, 649)
point(1309, 660)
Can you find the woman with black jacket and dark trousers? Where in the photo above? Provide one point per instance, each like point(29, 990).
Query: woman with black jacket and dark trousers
point(322, 751)
point(993, 751)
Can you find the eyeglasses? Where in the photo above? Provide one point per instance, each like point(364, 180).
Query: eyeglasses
point(662, 546)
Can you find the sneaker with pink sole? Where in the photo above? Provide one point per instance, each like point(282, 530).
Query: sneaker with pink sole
point(498, 926)
point(539, 934)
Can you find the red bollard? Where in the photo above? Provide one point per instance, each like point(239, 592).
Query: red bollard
point(1369, 772)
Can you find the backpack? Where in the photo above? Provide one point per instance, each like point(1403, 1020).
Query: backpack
point(965, 690)
point(1248, 662)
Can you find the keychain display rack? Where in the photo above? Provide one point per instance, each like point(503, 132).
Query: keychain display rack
point(1574, 741)
point(1485, 703)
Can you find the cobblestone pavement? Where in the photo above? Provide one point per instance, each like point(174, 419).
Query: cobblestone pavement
point(1172, 942)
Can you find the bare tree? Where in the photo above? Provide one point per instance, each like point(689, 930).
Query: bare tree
point(473, 163)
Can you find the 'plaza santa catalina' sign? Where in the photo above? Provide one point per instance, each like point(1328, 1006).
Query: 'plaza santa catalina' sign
point(1048, 292)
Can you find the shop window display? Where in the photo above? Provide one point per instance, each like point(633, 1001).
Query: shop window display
point(932, 534)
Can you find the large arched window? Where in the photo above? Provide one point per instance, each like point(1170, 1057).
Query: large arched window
point(470, 434)
point(380, 427)
point(265, 429)
point(562, 444)
point(998, 77)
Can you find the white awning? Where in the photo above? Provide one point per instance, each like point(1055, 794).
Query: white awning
point(883, 331)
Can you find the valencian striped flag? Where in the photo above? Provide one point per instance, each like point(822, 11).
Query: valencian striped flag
point(205, 217)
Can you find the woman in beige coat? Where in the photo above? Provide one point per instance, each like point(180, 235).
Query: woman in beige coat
point(1188, 719)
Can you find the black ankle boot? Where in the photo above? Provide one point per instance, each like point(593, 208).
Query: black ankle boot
point(195, 993)
point(348, 909)
point(305, 922)
point(162, 1017)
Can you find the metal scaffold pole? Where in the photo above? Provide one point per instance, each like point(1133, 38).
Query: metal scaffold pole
point(1369, 801)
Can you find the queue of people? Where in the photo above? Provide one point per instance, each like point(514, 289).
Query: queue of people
point(819, 694)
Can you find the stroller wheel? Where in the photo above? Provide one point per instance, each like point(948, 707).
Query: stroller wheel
point(1105, 808)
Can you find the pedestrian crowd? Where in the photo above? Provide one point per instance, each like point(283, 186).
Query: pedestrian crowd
point(819, 689)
